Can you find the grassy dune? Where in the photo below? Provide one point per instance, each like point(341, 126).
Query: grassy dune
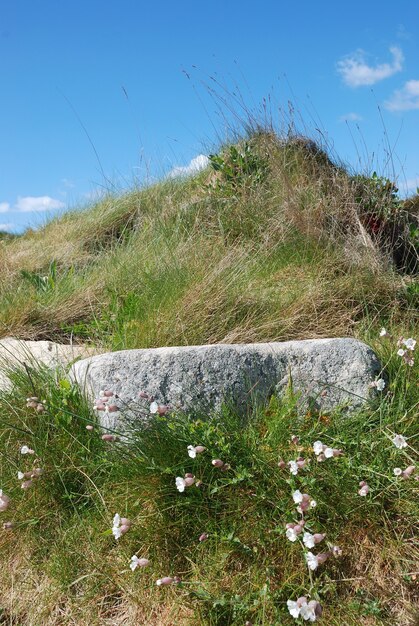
point(272, 242)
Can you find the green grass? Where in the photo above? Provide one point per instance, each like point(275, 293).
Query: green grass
point(61, 550)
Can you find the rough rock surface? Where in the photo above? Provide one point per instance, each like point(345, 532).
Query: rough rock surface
point(329, 372)
point(16, 352)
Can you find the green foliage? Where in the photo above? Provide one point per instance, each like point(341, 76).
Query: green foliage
point(239, 167)
point(377, 195)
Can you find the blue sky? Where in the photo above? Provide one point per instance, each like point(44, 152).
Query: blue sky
point(96, 95)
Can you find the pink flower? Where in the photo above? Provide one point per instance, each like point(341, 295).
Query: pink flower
point(89, 427)
point(136, 562)
point(364, 488)
point(4, 501)
point(217, 463)
point(109, 437)
point(203, 537)
point(408, 472)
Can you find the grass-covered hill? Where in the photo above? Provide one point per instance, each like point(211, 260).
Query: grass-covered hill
point(273, 241)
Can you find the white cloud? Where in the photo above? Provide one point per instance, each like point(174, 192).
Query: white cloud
point(412, 184)
point(350, 117)
point(406, 98)
point(4, 207)
point(356, 72)
point(37, 203)
point(6, 227)
point(196, 165)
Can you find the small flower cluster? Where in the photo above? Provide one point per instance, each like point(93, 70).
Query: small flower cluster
point(406, 352)
point(155, 408)
point(34, 403)
point(324, 452)
point(309, 611)
point(301, 608)
point(106, 402)
point(121, 525)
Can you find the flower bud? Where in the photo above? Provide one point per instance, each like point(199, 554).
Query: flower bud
point(217, 463)
point(99, 406)
point(4, 501)
point(316, 608)
point(27, 484)
point(8, 525)
point(89, 427)
point(408, 471)
point(225, 467)
point(166, 580)
point(143, 562)
point(143, 394)
point(107, 393)
point(163, 409)
point(37, 472)
point(199, 449)
point(282, 464)
point(109, 437)
point(323, 556)
point(203, 537)
point(189, 481)
point(295, 440)
point(318, 537)
point(40, 408)
point(124, 528)
point(126, 522)
point(112, 408)
point(189, 475)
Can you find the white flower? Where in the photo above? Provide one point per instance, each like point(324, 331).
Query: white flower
point(20, 475)
point(317, 447)
point(399, 441)
point(308, 540)
point(116, 527)
point(328, 453)
point(293, 608)
point(410, 343)
point(26, 450)
point(397, 471)
point(313, 504)
point(180, 484)
point(380, 384)
point(192, 451)
point(308, 613)
point(383, 332)
point(293, 467)
point(291, 534)
point(154, 407)
point(312, 561)
point(297, 496)
point(401, 352)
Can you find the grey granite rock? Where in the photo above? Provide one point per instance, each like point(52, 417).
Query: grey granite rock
point(16, 352)
point(329, 372)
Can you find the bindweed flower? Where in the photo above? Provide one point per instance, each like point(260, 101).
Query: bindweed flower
point(194, 450)
point(297, 496)
point(399, 441)
point(154, 407)
point(364, 488)
point(136, 562)
point(410, 343)
point(293, 467)
point(309, 611)
point(378, 384)
point(401, 352)
point(26, 450)
point(318, 447)
point(328, 453)
point(120, 525)
point(310, 540)
point(4, 501)
point(314, 560)
point(180, 484)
